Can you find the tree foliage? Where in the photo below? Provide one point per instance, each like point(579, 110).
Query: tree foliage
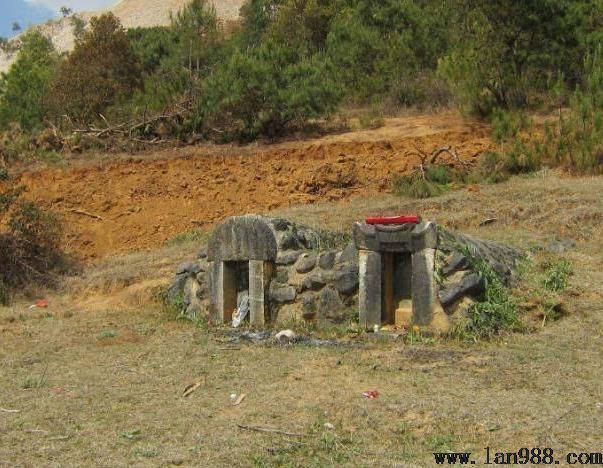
point(263, 91)
point(101, 69)
point(291, 61)
point(506, 52)
point(24, 87)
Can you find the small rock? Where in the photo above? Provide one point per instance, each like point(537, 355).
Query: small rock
point(459, 285)
point(456, 263)
point(306, 238)
point(285, 335)
point(329, 426)
point(305, 263)
point(282, 275)
point(346, 282)
point(326, 260)
point(288, 241)
point(288, 258)
point(308, 307)
point(560, 246)
point(330, 305)
point(313, 282)
point(282, 294)
point(348, 255)
point(280, 224)
point(188, 267)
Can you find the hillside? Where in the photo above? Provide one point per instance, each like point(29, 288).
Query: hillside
point(132, 13)
point(99, 373)
point(161, 194)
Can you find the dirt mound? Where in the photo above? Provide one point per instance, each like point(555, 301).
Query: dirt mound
point(129, 203)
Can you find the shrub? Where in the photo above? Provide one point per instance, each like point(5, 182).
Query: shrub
point(512, 131)
point(556, 276)
point(29, 246)
point(496, 311)
point(432, 182)
point(415, 186)
point(490, 169)
point(152, 46)
point(384, 49)
point(576, 141)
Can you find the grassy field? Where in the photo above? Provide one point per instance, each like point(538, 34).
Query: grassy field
point(97, 378)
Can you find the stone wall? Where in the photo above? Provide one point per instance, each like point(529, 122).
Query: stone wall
point(323, 286)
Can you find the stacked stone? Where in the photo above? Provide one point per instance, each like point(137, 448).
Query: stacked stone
point(315, 285)
point(306, 283)
point(189, 290)
point(460, 283)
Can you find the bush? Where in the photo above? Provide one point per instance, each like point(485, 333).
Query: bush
point(496, 311)
point(517, 152)
point(556, 276)
point(387, 50)
point(576, 141)
point(29, 246)
point(432, 183)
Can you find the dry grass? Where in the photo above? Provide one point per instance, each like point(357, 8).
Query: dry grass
point(102, 385)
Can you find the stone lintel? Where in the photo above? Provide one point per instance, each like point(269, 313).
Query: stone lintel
point(397, 238)
point(242, 238)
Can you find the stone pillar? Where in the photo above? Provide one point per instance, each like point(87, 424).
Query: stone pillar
point(260, 274)
point(223, 291)
point(388, 315)
point(369, 298)
point(424, 287)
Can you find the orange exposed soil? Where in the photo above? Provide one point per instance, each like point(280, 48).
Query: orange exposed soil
point(144, 200)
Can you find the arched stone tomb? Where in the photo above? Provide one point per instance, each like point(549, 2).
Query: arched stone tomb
point(396, 264)
point(387, 275)
point(241, 255)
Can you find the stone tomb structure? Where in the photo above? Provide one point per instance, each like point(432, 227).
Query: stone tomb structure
point(409, 274)
point(397, 280)
point(241, 255)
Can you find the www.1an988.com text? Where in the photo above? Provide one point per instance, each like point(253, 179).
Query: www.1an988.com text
point(523, 456)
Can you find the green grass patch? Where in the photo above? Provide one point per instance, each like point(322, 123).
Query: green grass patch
point(415, 186)
point(105, 334)
point(194, 235)
point(556, 276)
point(323, 240)
point(495, 312)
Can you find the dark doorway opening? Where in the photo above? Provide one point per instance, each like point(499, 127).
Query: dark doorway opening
point(396, 285)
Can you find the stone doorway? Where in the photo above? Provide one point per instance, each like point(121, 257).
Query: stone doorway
point(396, 269)
point(396, 285)
point(241, 255)
point(235, 282)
